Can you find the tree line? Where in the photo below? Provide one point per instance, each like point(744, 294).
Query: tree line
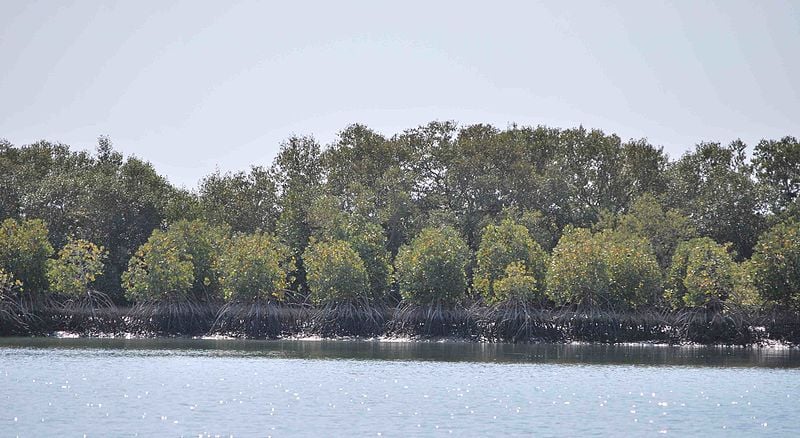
point(435, 214)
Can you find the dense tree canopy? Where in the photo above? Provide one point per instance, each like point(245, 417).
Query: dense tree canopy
point(160, 270)
point(517, 285)
point(448, 209)
point(714, 187)
point(103, 198)
point(777, 164)
point(367, 238)
point(298, 176)
point(646, 217)
point(247, 202)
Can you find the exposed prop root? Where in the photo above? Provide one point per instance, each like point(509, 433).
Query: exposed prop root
point(781, 325)
point(350, 318)
point(92, 314)
point(259, 320)
point(594, 325)
point(95, 314)
point(172, 318)
point(516, 321)
point(15, 319)
point(712, 327)
point(435, 320)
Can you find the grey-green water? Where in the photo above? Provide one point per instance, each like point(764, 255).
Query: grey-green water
point(96, 387)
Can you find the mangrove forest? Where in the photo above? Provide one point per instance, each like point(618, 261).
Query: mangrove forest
point(521, 234)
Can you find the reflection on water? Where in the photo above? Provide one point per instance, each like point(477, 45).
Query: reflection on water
point(179, 387)
point(434, 351)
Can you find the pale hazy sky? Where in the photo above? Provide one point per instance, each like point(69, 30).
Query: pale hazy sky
point(198, 85)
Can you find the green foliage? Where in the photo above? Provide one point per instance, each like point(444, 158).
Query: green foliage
point(702, 274)
point(24, 250)
point(8, 285)
point(366, 238)
point(252, 268)
point(358, 159)
point(247, 202)
point(608, 270)
point(745, 294)
point(204, 243)
point(665, 229)
point(103, 198)
point(632, 268)
point(777, 164)
point(327, 218)
point(77, 266)
point(177, 263)
point(599, 173)
point(335, 272)
point(370, 176)
point(377, 192)
point(159, 270)
point(500, 246)
point(776, 264)
point(577, 274)
point(517, 285)
point(298, 175)
point(714, 186)
point(369, 241)
point(543, 229)
point(432, 267)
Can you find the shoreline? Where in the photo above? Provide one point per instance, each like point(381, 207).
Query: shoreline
point(765, 344)
point(473, 324)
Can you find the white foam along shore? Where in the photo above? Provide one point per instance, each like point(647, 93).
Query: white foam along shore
point(766, 344)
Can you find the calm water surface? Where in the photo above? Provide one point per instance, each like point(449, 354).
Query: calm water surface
point(96, 387)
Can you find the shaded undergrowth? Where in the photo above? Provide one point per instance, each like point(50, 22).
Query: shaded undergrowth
point(95, 314)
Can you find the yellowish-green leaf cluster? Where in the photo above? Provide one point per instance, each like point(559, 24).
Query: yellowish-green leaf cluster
point(251, 268)
point(24, 250)
point(745, 294)
point(502, 245)
point(431, 268)
point(78, 264)
point(602, 270)
point(7, 283)
point(335, 272)
point(516, 285)
point(633, 271)
point(159, 270)
point(776, 264)
point(665, 229)
point(367, 239)
point(177, 263)
point(702, 274)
